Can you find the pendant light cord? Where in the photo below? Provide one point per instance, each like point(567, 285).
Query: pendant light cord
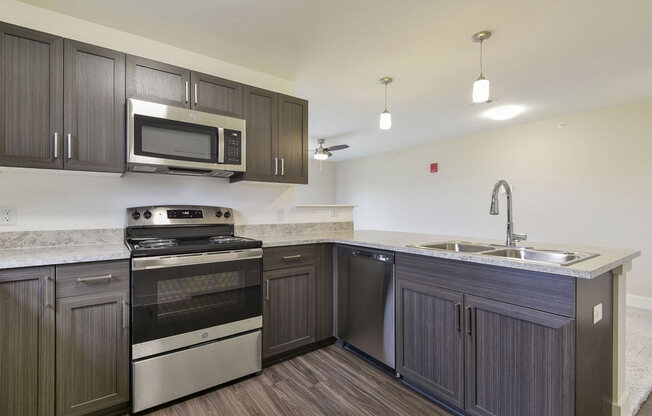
point(481, 41)
point(385, 96)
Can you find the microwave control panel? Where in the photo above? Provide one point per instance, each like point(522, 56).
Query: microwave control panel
point(232, 147)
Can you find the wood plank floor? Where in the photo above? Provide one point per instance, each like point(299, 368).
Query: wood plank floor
point(329, 381)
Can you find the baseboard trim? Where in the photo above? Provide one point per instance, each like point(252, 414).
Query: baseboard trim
point(639, 302)
point(622, 408)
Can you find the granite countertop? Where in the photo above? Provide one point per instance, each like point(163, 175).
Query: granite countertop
point(73, 246)
point(42, 256)
point(608, 259)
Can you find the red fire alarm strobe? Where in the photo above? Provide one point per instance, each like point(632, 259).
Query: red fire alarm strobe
point(433, 168)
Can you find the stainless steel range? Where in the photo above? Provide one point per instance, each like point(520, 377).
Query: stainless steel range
point(195, 302)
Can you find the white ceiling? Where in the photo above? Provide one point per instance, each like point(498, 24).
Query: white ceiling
point(553, 56)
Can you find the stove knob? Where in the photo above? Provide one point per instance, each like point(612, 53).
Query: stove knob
point(147, 215)
point(135, 215)
point(218, 213)
point(227, 214)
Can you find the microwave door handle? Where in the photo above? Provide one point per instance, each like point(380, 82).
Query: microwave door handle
point(220, 145)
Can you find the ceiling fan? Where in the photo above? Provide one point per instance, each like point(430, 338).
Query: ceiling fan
point(323, 153)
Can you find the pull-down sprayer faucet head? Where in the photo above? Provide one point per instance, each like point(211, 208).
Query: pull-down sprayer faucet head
point(493, 210)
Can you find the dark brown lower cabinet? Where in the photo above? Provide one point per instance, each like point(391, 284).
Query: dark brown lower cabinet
point(92, 352)
point(288, 309)
point(519, 361)
point(430, 341)
point(27, 341)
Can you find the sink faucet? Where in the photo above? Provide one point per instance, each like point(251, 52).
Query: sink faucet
point(512, 237)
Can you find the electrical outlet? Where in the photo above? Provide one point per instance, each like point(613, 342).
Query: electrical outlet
point(333, 213)
point(280, 214)
point(8, 215)
point(597, 313)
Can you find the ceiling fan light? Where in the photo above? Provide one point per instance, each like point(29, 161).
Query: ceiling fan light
point(481, 90)
point(320, 156)
point(385, 120)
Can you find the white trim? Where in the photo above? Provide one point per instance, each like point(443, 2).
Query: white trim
point(639, 302)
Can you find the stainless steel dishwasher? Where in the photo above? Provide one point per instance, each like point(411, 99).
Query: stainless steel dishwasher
point(366, 301)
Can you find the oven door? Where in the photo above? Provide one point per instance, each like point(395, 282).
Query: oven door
point(183, 300)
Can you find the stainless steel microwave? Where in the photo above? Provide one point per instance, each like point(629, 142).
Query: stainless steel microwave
point(166, 139)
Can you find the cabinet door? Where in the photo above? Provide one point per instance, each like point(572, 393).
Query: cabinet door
point(293, 139)
point(288, 310)
point(216, 95)
point(31, 98)
point(27, 347)
point(261, 115)
point(94, 108)
point(430, 340)
point(324, 292)
point(157, 82)
point(92, 352)
point(519, 361)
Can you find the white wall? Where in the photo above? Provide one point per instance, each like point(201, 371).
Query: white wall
point(22, 14)
point(588, 182)
point(52, 200)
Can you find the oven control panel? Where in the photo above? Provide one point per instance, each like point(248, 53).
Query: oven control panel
point(185, 213)
point(179, 215)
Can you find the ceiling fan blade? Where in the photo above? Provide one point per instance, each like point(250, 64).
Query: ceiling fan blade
point(328, 153)
point(337, 147)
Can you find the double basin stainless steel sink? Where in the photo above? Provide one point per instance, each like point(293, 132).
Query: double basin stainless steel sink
point(552, 257)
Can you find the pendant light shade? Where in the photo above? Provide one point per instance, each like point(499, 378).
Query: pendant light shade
point(385, 120)
point(481, 90)
point(481, 85)
point(385, 116)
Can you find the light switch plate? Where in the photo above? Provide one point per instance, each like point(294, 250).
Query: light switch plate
point(597, 313)
point(8, 215)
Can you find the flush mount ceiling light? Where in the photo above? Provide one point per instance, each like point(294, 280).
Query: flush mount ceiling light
point(504, 112)
point(386, 116)
point(481, 85)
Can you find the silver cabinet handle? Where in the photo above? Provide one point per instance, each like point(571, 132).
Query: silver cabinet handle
point(282, 166)
point(296, 257)
point(125, 314)
point(56, 146)
point(49, 292)
point(267, 290)
point(187, 92)
point(196, 93)
point(97, 279)
point(275, 166)
point(69, 145)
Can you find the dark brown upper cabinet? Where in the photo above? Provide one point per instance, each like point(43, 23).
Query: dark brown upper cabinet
point(293, 139)
point(94, 108)
point(157, 82)
point(277, 137)
point(216, 95)
point(31, 98)
point(261, 115)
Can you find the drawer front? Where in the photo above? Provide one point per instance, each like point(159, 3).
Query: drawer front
point(290, 256)
point(86, 278)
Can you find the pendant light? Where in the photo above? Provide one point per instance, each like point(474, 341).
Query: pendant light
point(481, 85)
point(386, 116)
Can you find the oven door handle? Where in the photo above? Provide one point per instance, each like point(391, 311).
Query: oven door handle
point(148, 263)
